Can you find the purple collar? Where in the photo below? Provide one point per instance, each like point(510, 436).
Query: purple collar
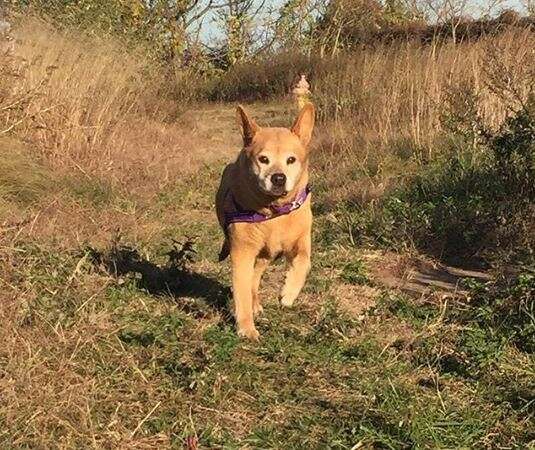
point(238, 214)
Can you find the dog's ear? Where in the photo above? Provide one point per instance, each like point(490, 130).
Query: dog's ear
point(248, 126)
point(304, 125)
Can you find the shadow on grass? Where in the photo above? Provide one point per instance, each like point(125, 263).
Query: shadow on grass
point(173, 279)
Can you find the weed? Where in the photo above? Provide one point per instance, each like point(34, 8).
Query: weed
point(224, 341)
point(506, 311)
point(354, 272)
point(405, 308)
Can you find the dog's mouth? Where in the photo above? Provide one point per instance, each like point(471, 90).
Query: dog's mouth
point(274, 191)
point(279, 192)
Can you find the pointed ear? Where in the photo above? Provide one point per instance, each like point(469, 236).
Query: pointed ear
point(248, 126)
point(304, 125)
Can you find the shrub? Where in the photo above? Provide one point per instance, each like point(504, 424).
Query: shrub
point(467, 205)
point(513, 149)
point(262, 79)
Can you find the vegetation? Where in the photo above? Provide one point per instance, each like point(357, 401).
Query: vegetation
point(115, 317)
point(470, 204)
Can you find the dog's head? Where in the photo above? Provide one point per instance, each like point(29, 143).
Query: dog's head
point(277, 157)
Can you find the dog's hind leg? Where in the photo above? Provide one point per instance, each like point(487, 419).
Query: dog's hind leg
point(242, 287)
point(259, 269)
point(299, 261)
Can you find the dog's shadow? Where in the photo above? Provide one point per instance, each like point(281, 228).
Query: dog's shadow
point(173, 279)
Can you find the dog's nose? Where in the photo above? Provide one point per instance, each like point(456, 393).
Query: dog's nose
point(278, 179)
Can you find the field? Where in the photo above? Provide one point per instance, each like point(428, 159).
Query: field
point(416, 328)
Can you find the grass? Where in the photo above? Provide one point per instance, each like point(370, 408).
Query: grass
point(88, 106)
point(96, 360)
point(401, 376)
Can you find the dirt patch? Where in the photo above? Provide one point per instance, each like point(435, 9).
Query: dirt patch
point(355, 300)
point(419, 276)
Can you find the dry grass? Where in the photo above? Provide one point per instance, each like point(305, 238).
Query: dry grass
point(87, 105)
point(387, 106)
point(401, 90)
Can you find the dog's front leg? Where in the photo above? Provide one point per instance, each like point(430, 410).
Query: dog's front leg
point(299, 261)
point(259, 269)
point(243, 262)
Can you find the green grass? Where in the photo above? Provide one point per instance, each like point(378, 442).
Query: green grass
point(168, 367)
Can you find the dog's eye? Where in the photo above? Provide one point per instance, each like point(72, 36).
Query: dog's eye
point(263, 160)
point(290, 160)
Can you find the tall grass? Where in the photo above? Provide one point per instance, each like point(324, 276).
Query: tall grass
point(86, 103)
point(396, 92)
point(390, 107)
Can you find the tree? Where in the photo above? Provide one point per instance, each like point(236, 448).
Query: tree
point(345, 22)
point(165, 25)
point(400, 11)
point(295, 23)
point(237, 18)
point(529, 6)
point(450, 12)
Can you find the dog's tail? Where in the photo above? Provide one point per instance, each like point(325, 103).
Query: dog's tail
point(225, 251)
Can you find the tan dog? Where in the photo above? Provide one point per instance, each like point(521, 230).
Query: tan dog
point(263, 206)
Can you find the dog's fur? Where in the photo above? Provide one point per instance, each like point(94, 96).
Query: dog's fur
point(252, 246)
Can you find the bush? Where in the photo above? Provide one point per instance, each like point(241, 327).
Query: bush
point(473, 204)
point(505, 308)
point(514, 152)
point(262, 79)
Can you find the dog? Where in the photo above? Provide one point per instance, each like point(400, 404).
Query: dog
point(263, 207)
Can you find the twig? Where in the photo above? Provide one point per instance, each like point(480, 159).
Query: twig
point(8, 129)
point(145, 419)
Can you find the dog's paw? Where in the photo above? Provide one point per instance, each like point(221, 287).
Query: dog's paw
point(287, 299)
point(250, 333)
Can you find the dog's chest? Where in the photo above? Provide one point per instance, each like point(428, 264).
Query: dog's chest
point(282, 234)
point(273, 237)
point(276, 246)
